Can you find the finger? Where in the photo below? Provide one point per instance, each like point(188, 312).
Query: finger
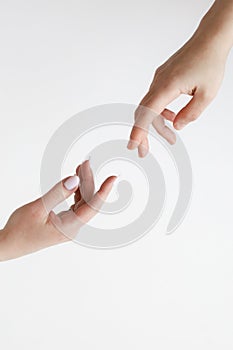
point(156, 100)
point(70, 222)
point(140, 132)
point(60, 192)
point(77, 196)
point(169, 115)
point(192, 110)
point(88, 210)
point(87, 185)
point(143, 118)
point(77, 169)
point(143, 148)
point(163, 130)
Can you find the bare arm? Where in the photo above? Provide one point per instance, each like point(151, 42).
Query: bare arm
point(196, 69)
point(35, 226)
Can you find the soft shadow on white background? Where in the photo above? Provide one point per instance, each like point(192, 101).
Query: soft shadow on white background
point(174, 292)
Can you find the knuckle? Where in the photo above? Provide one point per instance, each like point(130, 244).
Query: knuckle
point(192, 117)
point(137, 113)
point(207, 96)
point(173, 79)
point(53, 223)
point(35, 208)
point(158, 71)
point(170, 82)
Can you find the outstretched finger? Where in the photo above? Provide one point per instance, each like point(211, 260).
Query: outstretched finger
point(87, 185)
point(152, 105)
point(88, 210)
point(163, 130)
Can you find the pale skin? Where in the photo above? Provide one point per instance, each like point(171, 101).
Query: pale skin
point(196, 69)
point(33, 226)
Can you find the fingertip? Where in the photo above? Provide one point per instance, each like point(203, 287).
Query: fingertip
point(170, 136)
point(106, 186)
point(142, 151)
point(136, 137)
point(85, 171)
point(61, 191)
point(172, 141)
point(132, 144)
point(178, 125)
point(71, 183)
point(86, 162)
point(111, 179)
point(142, 155)
point(85, 166)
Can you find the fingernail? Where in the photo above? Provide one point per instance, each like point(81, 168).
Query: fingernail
point(142, 152)
point(71, 183)
point(132, 144)
point(179, 126)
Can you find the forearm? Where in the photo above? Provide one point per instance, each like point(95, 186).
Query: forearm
point(2, 246)
point(217, 26)
point(9, 248)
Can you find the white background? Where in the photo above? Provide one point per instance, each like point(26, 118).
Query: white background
point(162, 292)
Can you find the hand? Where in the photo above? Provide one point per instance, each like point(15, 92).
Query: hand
point(197, 70)
point(35, 226)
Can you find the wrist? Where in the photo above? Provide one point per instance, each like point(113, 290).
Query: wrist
point(2, 245)
point(216, 27)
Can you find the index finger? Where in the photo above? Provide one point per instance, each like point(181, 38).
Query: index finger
point(152, 105)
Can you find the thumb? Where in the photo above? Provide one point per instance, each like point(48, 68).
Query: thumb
point(192, 110)
point(60, 192)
